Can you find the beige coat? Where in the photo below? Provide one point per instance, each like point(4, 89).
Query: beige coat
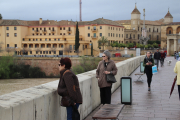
point(177, 70)
point(102, 76)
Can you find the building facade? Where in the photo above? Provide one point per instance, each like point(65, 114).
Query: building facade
point(49, 37)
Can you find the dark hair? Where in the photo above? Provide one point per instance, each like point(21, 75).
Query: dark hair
point(66, 61)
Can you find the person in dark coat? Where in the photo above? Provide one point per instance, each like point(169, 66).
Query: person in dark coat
point(157, 56)
point(148, 63)
point(162, 57)
point(69, 86)
point(106, 66)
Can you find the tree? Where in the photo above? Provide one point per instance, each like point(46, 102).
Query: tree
point(67, 49)
point(53, 49)
point(77, 38)
point(91, 49)
point(9, 49)
point(103, 42)
point(0, 16)
point(1, 46)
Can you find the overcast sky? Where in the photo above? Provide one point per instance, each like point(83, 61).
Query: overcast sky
point(91, 9)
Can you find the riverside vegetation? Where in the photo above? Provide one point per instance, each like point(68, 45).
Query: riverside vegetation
point(12, 68)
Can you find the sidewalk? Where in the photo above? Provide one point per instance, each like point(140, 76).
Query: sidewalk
point(154, 105)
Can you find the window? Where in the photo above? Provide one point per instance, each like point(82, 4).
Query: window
point(40, 33)
point(88, 34)
point(49, 28)
point(29, 39)
point(54, 52)
point(109, 34)
point(74, 47)
point(138, 36)
point(40, 39)
point(157, 29)
point(54, 39)
point(40, 28)
point(49, 33)
point(85, 46)
point(138, 28)
point(149, 29)
point(119, 29)
point(33, 34)
point(94, 34)
point(169, 31)
point(46, 39)
point(60, 28)
point(30, 52)
point(37, 34)
point(150, 37)
point(60, 33)
point(49, 39)
point(126, 35)
point(61, 46)
point(100, 27)
point(122, 35)
point(134, 36)
point(53, 34)
point(58, 39)
point(113, 34)
point(40, 52)
point(15, 28)
point(7, 34)
point(119, 35)
point(113, 28)
point(116, 35)
point(122, 29)
point(109, 28)
point(44, 33)
point(33, 40)
point(7, 28)
point(64, 28)
point(100, 34)
point(44, 52)
point(141, 29)
point(64, 33)
point(36, 39)
point(88, 28)
point(94, 27)
point(69, 34)
point(23, 39)
point(36, 52)
point(157, 37)
point(7, 45)
point(32, 28)
point(49, 52)
point(70, 47)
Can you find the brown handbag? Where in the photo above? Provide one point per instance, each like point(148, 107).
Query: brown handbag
point(66, 100)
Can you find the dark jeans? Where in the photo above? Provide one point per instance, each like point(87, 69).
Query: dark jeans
point(162, 61)
point(149, 76)
point(70, 110)
point(156, 61)
point(105, 94)
point(179, 91)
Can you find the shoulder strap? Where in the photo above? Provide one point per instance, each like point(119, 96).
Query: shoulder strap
point(66, 72)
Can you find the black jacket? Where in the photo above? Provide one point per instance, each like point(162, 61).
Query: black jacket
point(157, 55)
point(148, 67)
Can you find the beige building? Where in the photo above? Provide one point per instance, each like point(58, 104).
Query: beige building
point(134, 26)
point(49, 37)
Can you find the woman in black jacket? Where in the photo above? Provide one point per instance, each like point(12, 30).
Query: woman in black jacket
point(148, 63)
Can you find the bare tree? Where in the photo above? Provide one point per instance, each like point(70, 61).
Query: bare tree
point(1, 46)
point(9, 49)
point(38, 50)
point(53, 49)
point(25, 50)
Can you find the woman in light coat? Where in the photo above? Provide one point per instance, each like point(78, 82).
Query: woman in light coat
point(177, 70)
point(106, 66)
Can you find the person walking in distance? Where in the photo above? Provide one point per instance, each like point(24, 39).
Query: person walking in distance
point(148, 63)
point(174, 54)
point(162, 58)
point(177, 70)
point(157, 56)
point(106, 66)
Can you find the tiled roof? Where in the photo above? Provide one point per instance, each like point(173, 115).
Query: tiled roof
point(168, 15)
point(44, 23)
point(13, 22)
point(124, 21)
point(135, 11)
point(174, 23)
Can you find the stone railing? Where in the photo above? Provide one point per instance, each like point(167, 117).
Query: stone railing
point(43, 103)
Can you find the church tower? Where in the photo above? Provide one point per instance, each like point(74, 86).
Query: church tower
point(168, 18)
point(135, 18)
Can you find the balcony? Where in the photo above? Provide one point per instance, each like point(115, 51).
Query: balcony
point(69, 31)
point(94, 30)
point(94, 37)
point(36, 31)
point(53, 31)
point(44, 31)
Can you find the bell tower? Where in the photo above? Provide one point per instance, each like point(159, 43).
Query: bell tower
point(135, 18)
point(168, 18)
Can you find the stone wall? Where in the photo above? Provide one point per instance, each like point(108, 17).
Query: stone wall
point(43, 103)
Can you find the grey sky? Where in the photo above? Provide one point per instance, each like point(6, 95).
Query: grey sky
point(91, 9)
